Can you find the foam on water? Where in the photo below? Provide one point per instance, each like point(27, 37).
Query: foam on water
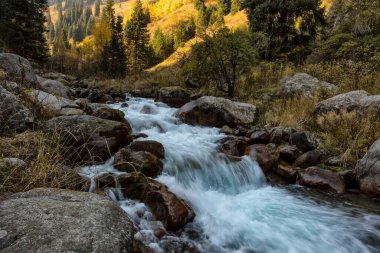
point(236, 210)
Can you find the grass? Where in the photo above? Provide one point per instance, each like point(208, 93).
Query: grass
point(45, 162)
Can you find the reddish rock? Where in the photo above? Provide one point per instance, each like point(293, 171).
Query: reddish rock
point(288, 153)
point(265, 156)
point(260, 137)
point(287, 172)
point(322, 179)
point(173, 211)
point(153, 147)
point(234, 147)
point(308, 159)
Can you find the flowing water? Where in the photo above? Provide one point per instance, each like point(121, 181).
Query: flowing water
point(236, 210)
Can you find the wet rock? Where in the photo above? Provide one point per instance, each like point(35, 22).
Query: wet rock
point(99, 97)
point(139, 161)
point(227, 130)
point(368, 170)
point(349, 178)
point(165, 205)
point(55, 220)
point(144, 93)
point(234, 147)
point(55, 88)
point(18, 69)
point(153, 147)
point(147, 109)
point(90, 138)
point(288, 173)
point(303, 85)
point(288, 153)
point(59, 105)
point(173, 96)
point(139, 135)
point(124, 105)
point(343, 102)
point(178, 245)
point(308, 159)
point(217, 112)
point(106, 180)
point(322, 179)
point(14, 116)
point(260, 137)
point(266, 157)
point(105, 112)
point(302, 142)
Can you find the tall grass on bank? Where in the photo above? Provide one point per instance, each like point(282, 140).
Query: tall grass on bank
point(46, 168)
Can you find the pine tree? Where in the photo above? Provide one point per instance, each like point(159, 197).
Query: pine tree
point(22, 25)
point(137, 36)
point(97, 8)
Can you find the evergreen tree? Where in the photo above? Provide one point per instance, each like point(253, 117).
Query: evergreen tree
point(22, 26)
point(236, 5)
point(97, 8)
point(287, 23)
point(137, 36)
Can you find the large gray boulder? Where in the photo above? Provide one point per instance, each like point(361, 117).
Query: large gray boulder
point(174, 96)
point(59, 105)
point(368, 170)
point(343, 102)
point(55, 87)
point(14, 116)
point(217, 112)
point(303, 85)
point(90, 138)
point(16, 68)
point(55, 220)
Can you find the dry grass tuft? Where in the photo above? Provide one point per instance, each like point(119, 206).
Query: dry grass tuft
point(45, 164)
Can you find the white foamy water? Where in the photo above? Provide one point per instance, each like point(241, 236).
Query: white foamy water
point(236, 210)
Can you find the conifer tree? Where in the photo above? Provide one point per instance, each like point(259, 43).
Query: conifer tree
point(137, 37)
point(22, 26)
point(97, 8)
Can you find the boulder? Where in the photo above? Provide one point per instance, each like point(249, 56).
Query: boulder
point(322, 179)
point(11, 162)
point(349, 178)
point(368, 170)
point(59, 105)
point(11, 86)
point(18, 69)
point(141, 161)
point(287, 173)
point(302, 141)
point(234, 147)
point(89, 137)
point(99, 97)
point(173, 96)
point(147, 109)
point(266, 157)
point(343, 102)
point(303, 85)
point(55, 220)
point(14, 116)
point(308, 159)
point(288, 153)
point(260, 137)
point(153, 147)
point(217, 112)
point(173, 211)
point(55, 87)
point(105, 112)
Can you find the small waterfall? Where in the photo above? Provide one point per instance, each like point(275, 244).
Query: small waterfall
point(236, 210)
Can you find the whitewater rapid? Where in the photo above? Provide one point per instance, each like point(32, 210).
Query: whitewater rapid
point(236, 209)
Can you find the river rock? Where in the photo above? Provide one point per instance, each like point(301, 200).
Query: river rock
point(349, 178)
point(234, 147)
point(141, 161)
point(14, 116)
point(105, 112)
point(174, 212)
point(55, 87)
point(55, 220)
point(322, 179)
point(265, 156)
point(260, 137)
point(343, 102)
point(59, 105)
point(303, 85)
point(288, 153)
point(91, 138)
point(308, 159)
point(287, 173)
point(99, 97)
point(217, 112)
point(153, 147)
point(174, 96)
point(368, 170)
point(18, 69)
point(302, 141)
